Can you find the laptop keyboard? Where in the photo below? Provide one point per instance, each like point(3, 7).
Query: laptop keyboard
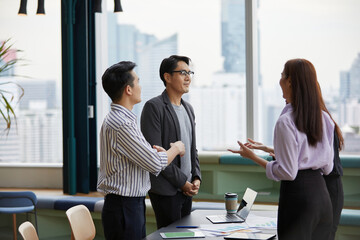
point(230, 217)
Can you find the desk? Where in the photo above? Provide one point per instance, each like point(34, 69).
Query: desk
point(198, 217)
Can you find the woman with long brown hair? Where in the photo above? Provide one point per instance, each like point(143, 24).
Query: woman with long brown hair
point(303, 148)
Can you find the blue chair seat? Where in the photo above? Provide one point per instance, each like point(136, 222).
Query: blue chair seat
point(18, 202)
point(16, 209)
point(69, 202)
point(350, 217)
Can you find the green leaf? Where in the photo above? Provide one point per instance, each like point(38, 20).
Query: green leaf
point(7, 111)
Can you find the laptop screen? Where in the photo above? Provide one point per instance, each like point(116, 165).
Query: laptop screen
point(246, 203)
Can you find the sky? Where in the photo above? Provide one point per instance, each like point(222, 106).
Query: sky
point(326, 32)
point(38, 36)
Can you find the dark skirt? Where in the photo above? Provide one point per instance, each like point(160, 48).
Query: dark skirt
point(335, 188)
point(305, 209)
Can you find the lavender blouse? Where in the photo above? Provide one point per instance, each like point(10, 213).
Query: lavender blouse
point(293, 152)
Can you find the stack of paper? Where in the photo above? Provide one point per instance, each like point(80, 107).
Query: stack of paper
point(223, 229)
point(254, 221)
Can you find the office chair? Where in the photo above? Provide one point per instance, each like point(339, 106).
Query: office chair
point(81, 223)
point(27, 231)
point(18, 202)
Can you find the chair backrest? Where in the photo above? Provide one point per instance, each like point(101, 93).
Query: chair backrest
point(28, 231)
point(81, 222)
point(17, 199)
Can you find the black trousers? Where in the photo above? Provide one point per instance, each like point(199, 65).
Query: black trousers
point(305, 209)
point(335, 188)
point(123, 217)
point(168, 209)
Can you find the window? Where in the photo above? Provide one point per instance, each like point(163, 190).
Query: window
point(36, 136)
point(211, 33)
point(326, 33)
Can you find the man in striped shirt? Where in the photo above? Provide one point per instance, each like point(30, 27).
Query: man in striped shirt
point(126, 158)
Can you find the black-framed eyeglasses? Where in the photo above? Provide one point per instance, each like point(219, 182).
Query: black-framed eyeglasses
point(184, 72)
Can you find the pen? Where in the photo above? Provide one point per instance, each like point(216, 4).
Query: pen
point(187, 226)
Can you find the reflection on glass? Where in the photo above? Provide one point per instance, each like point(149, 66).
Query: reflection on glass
point(36, 135)
point(293, 29)
point(214, 38)
point(216, 44)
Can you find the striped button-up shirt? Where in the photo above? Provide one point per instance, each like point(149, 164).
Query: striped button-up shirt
point(126, 158)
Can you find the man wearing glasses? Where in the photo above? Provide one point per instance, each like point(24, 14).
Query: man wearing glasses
point(168, 118)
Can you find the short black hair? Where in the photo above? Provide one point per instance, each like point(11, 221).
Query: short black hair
point(169, 64)
point(116, 78)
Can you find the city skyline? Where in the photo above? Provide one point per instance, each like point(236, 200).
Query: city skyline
point(331, 39)
point(324, 32)
point(293, 23)
point(36, 136)
point(224, 84)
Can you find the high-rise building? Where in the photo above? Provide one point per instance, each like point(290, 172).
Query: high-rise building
point(350, 81)
point(9, 142)
point(344, 85)
point(125, 41)
point(349, 106)
point(233, 35)
point(148, 68)
point(36, 135)
point(9, 138)
point(38, 93)
point(350, 94)
point(220, 112)
point(352, 112)
point(354, 76)
point(129, 44)
point(40, 136)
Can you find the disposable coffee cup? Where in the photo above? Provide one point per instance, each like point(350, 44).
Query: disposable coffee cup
point(231, 200)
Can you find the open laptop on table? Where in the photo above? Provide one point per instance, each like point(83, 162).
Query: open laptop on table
point(242, 212)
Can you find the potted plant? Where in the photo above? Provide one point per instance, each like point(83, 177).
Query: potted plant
point(8, 99)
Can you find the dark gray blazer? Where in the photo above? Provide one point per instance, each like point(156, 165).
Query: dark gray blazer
point(160, 126)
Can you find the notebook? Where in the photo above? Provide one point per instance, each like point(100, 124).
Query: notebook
point(182, 235)
point(242, 212)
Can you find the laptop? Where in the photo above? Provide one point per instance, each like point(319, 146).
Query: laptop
point(242, 212)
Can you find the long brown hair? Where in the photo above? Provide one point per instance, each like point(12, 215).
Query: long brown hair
point(305, 99)
point(337, 128)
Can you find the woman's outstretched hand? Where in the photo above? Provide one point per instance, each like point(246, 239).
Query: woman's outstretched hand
point(244, 151)
point(258, 145)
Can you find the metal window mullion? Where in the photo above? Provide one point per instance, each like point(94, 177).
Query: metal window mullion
point(251, 69)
